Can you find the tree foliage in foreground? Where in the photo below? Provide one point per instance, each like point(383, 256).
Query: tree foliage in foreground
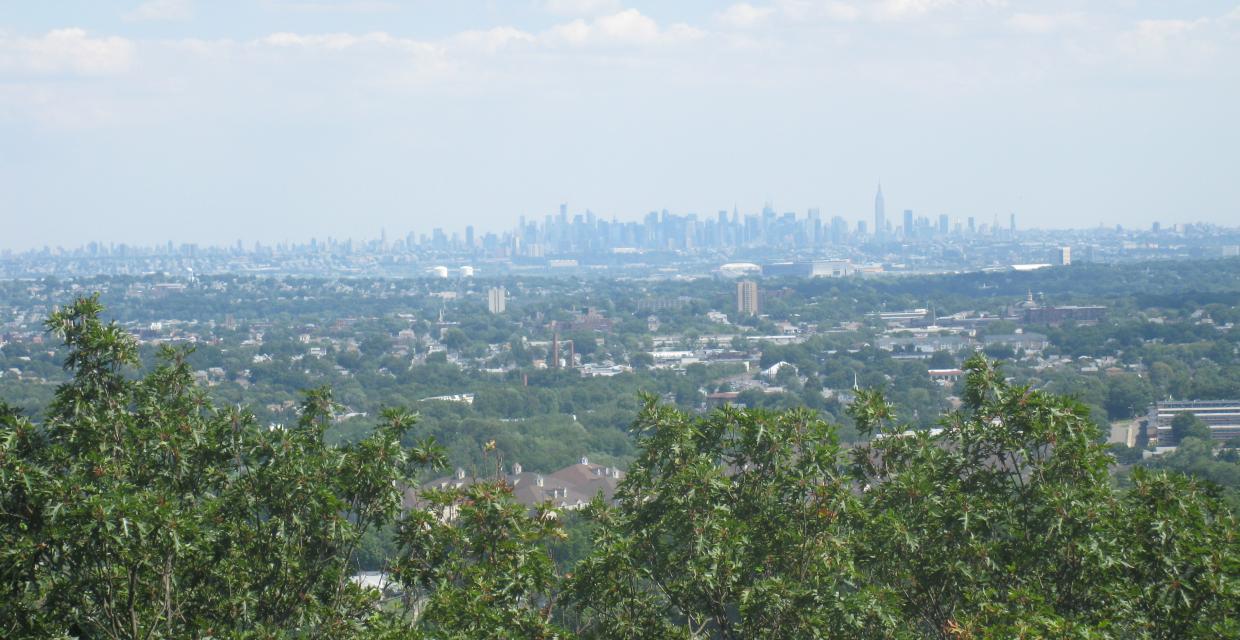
point(1004, 524)
point(138, 509)
point(738, 525)
point(135, 508)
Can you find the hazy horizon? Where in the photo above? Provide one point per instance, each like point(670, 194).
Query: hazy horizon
point(196, 122)
point(453, 228)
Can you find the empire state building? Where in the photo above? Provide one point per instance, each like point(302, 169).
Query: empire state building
point(880, 215)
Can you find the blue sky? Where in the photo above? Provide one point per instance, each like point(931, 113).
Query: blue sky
point(197, 121)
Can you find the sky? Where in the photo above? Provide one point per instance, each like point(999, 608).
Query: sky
point(271, 120)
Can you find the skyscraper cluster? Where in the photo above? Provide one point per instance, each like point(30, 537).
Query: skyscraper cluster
point(585, 232)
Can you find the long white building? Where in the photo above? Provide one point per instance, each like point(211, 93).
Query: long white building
point(1222, 416)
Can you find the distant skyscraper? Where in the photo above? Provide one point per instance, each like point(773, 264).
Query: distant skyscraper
point(1063, 256)
point(972, 225)
point(469, 236)
point(880, 214)
point(747, 298)
point(908, 223)
point(497, 299)
point(1012, 223)
point(943, 222)
point(839, 229)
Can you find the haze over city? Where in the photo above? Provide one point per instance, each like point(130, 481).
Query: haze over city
point(144, 122)
point(619, 319)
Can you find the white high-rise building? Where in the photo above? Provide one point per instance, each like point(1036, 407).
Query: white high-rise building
point(747, 298)
point(497, 299)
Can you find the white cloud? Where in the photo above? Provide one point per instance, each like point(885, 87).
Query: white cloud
point(628, 27)
point(818, 9)
point(744, 15)
point(775, 52)
point(876, 10)
point(337, 6)
point(161, 10)
point(1182, 44)
point(582, 7)
point(341, 42)
point(1155, 36)
point(493, 40)
point(66, 51)
point(1041, 23)
point(330, 41)
point(625, 28)
point(904, 9)
point(913, 9)
point(576, 32)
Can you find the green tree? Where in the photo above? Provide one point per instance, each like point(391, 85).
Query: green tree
point(1183, 563)
point(137, 509)
point(455, 339)
point(477, 564)
point(993, 527)
point(941, 360)
point(1188, 425)
point(1127, 395)
point(732, 525)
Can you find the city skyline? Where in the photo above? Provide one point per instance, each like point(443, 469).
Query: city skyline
point(831, 230)
point(140, 122)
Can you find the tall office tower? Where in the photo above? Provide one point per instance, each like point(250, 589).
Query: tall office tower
point(1156, 227)
point(1012, 223)
point(880, 214)
point(1063, 256)
point(839, 229)
point(972, 226)
point(563, 213)
point(469, 236)
point(747, 298)
point(497, 299)
point(908, 224)
point(861, 230)
point(943, 222)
